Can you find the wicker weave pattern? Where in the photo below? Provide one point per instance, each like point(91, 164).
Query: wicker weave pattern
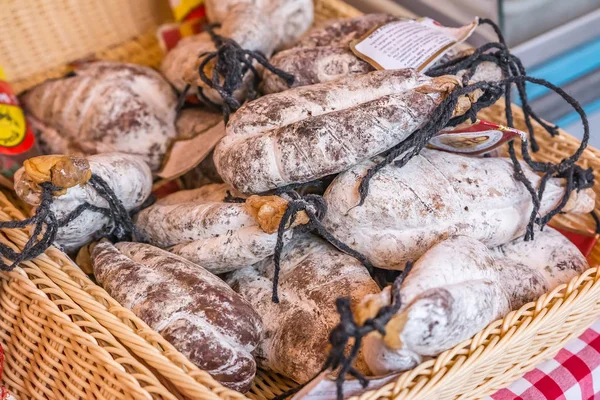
point(48, 337)
point(39, 35)
point(143, 49)
point(70, 282)
point(66, 338)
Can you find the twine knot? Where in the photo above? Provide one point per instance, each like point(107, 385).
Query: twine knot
point(315, 208)
point(582, 178)
point(231, 63)
point(45, 224)
point(349, 329)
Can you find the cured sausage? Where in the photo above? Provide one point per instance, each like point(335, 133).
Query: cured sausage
point(434, 196)
point(190, 307)
point(105, 107)
point(262, 26)
point(324, 55)
point(127, 175)
point(199, 226)
point(309, 132)
point(447, 299)
point(313, 274)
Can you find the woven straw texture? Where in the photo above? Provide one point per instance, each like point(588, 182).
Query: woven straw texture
point(38, 36)
point(29, 57)
point(66, 338)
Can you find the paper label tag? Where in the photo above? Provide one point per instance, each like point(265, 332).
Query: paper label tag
point(323, 387)
point(409, 43)
point(473, 139)
point(186, 154)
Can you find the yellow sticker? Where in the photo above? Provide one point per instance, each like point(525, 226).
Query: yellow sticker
point(181, 8)
point(12, 125)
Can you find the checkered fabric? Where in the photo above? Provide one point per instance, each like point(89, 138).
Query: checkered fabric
point(574, 374)
point(4, 394)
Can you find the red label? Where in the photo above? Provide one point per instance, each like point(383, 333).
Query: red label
point(165, 188)
point(474, 138)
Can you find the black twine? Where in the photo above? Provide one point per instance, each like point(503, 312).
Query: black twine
point(229, 198)
point(45, 224)
point(317, 186)
point(315, 208)
point(340, 338)
point(514, 73)
point(43, 217)
point(231, 64)
point(122, 225)
point(440, 118)
point(510, 65)
point(181, 99)
point(577, 178)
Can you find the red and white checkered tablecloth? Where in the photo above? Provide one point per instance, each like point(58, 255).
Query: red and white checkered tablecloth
point(574, 374)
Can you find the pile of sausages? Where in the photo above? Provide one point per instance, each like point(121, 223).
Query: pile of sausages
point(202, 270)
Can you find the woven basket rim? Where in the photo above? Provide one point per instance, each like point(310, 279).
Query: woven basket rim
point(495, 334)
point(420, 381)
point(30, 277)
point(93, 301)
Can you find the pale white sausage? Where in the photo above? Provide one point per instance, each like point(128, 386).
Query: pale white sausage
point(434, 196)
point(305, 133)
point(105, 107)
point(460, 286)
point(127, 175)
point(199, 226)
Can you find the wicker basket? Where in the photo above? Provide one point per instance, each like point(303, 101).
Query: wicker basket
point(66, 338)
point(37, 37)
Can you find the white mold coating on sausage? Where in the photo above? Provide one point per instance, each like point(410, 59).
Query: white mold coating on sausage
point(191, 308)
point(199, 226)
point(309, 132)
point(313, 275)
point(434, 196)
point(447, 299)
point(107, 107)
point(127, 175)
